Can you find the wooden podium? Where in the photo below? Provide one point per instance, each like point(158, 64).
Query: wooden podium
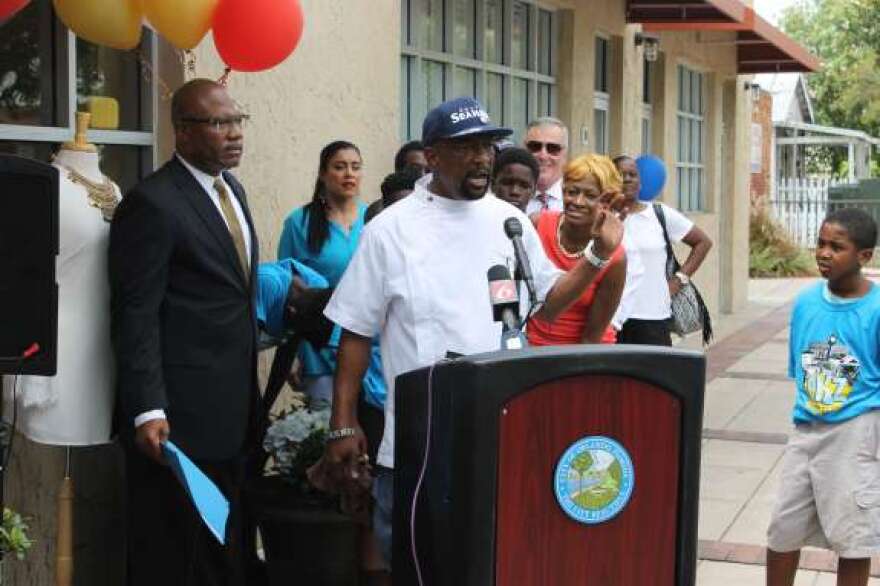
point(549, 466)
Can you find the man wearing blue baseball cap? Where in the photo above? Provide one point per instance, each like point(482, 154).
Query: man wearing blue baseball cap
point(418, 279)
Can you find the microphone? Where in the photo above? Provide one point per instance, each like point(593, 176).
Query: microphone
point(505, 307)
point(514, 231)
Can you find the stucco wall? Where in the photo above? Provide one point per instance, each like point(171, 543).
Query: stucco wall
point(341, 83)
point(722, 279)
point(581, 25)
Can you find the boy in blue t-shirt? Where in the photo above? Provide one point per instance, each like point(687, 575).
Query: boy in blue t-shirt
point(829, 493)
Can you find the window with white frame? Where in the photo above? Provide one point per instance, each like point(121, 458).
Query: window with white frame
point(602, 96)
point(47, 74)
point(647, 106)
point(502, 52)
point(689, 165)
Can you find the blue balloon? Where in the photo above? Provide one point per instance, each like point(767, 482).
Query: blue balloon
point(652, 175)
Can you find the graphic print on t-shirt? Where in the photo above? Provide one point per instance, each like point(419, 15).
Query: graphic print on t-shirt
point(830, 372)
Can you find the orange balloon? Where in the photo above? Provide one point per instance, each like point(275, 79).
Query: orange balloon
point(182, 23)
point(112, 23)
point(253, 35)
point(8, 8)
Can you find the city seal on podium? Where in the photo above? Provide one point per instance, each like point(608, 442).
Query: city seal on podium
point(594, 480)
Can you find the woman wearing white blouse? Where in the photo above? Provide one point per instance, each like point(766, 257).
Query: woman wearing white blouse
point(651, 305)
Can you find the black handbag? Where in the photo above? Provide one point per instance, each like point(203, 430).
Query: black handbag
point(689, 312)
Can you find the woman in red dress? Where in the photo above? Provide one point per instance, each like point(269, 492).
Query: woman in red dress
point(588, 183)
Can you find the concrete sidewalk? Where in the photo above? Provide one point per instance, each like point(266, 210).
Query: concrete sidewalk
point(746, 422)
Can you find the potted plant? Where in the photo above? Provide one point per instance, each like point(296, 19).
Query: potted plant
point(306, 538)
point(13, 537)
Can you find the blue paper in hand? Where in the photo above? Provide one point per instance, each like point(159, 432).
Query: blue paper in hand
point(207, 498)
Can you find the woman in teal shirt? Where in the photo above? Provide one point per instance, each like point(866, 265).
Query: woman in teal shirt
point(323, 235)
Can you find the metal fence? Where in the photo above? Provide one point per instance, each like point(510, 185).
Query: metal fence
point(801, 205)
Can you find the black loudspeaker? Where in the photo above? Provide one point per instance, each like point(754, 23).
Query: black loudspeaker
point(28, 248)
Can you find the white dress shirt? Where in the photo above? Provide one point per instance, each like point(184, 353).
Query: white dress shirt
point(554, 199)
point(207, 183)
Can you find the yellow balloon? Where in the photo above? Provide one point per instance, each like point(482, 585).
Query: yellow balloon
point(182, 23)
point(113, 23)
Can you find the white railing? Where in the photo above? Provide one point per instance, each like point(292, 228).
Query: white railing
point(801, 205)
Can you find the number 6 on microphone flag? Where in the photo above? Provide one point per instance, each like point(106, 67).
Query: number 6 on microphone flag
point(503, 291)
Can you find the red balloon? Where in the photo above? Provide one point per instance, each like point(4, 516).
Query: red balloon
point(253, 35)
point(10, 7)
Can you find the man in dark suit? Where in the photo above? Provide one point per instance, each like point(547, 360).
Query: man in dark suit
point(183, 258)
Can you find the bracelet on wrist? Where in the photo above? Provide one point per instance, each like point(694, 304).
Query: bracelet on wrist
point(342, 432)
point(595, 260)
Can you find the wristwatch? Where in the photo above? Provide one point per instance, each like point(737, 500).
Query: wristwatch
point(596, 261)
point(682, 278)
point(343, 432)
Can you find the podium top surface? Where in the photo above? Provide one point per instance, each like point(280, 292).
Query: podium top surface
point(578, 351)
point(682, 371)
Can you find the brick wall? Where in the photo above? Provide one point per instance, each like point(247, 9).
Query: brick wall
point(762, 118)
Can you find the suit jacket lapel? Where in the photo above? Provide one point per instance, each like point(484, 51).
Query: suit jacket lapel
point(207, 211)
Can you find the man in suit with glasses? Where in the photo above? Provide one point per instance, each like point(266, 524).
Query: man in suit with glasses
point(547, 139)
point(182, 264)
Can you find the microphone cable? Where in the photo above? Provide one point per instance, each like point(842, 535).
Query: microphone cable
point(533, 309)
point(422, 472)
point(11, 429)
point(30, 351)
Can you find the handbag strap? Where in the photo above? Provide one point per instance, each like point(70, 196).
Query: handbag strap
point(670, 254)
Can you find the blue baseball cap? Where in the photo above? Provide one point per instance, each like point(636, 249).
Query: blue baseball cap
point(459, 117)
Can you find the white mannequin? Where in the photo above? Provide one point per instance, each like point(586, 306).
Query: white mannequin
point(84, 162)
point(75, 407)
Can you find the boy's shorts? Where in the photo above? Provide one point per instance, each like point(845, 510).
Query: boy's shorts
point(829, 493)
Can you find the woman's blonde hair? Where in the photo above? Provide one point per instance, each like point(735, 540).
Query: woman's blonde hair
point(600, 167)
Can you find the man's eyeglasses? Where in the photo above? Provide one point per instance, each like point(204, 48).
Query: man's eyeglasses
point(221, 124)
point(552, 148)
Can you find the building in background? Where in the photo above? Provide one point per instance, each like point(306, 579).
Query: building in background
point(796, 131)
point(354, 77)
point(795, 174)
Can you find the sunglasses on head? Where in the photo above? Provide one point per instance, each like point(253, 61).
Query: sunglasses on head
point(552, 148)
